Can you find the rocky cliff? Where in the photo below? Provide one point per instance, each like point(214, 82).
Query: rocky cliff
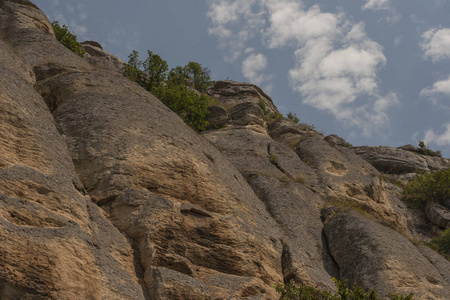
point(106, 193)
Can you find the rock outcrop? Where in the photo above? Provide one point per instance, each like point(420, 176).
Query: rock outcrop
point(106, 194)
point(399, 160)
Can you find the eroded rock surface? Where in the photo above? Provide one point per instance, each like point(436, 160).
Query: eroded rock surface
point(381, 258)
point(399, 160)
point(106, 194)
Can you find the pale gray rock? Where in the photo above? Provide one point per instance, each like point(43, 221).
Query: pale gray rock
point(230, 93)
point(399, 160)
point(378, 257)
point(438, 214)
point(247, 113)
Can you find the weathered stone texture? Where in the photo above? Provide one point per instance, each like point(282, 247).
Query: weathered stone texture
point(106, 194)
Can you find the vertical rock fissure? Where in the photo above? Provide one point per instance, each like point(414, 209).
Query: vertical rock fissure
point(138, 267)
point(329, 263)
point(275, 162)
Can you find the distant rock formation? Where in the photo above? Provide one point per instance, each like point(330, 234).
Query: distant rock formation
point(106, 194)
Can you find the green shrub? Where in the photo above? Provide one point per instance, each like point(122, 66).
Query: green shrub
point(291, 291)
point(69, 40)
point(442, 244)
point(275, 116)
point(292, 117)
point(180, 89)
point(190, 106)
point(423, 149)
point(427, 187)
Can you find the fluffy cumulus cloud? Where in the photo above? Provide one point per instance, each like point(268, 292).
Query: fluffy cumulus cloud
point(442, 139)
point(436, 44)
point(253, 66)
point(335, 62)
point(441, 87)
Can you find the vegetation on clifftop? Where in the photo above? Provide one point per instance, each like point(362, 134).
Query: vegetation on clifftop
point(182, 89)
point(69, 40)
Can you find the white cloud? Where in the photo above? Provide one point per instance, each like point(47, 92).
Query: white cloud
point(383, 5)
point(377, 5)
point(252, 67)
point(290, 23)
point(438, 93)
point(335, 62)
point(442, 139)
point(225, 13)
point(436, 44)
point(439, 87)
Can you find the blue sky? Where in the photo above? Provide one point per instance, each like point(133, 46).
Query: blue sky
point(375, 72)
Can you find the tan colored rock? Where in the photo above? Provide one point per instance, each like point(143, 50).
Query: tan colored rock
point(106, 194)
point(118, 149)
point(52, 239)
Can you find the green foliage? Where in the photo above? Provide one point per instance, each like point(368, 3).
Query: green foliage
point(291, 291)
point(427, 187)
point(175, 88)
point(69, 40)
point(423, 149)
point(192, 74)
point(442, 244)
point(190, 106)
point(348, 145)
point(292, 117)
point(199, 76)
point(149, 74)
point(275, 116)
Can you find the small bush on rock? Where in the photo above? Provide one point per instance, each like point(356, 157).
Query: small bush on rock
point(442, 244)
point(423, 149)
point(291, 291)
point(69, 40)
point(427, 187)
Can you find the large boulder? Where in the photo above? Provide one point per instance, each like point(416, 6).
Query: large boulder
point(438, 214)
point(375, 256)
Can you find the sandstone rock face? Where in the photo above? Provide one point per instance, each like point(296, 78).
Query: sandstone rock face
point(399, 161)
point(52, 244)
point(106, 194)
point(144, 171)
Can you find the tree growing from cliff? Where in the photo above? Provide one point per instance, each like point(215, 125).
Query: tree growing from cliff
point(192, 74)
point(428, 187)
point(69, 40)
point(182, 89)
